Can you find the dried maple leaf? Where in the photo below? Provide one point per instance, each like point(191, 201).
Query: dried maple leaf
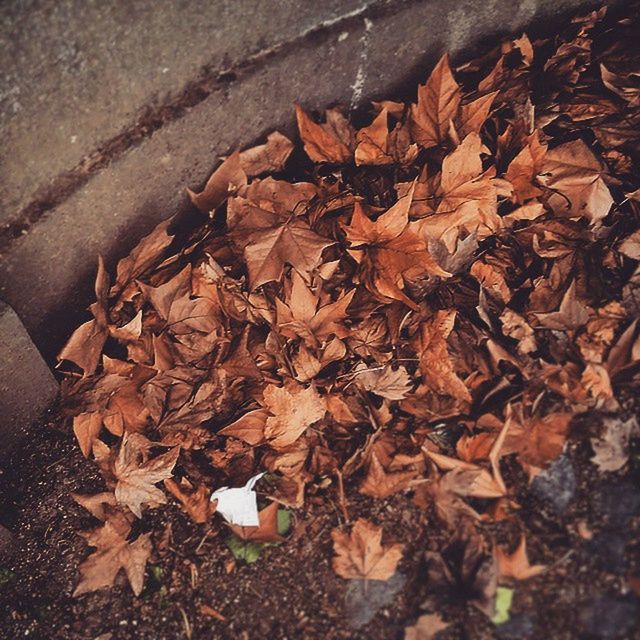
point(113, 552)
point(474, 114)
point(386, 382)
point(516, 565)
point(540, 440)
point(195, 502)
point(293, 410)
point(329, 142)
point(267, 157)
point(572, 170)
point(182, 313)
point(390, 252)
point(522, 170)
point(361, 554)
point(226, 179)
point(269, 226)
point(379, 483)
point(248, 428)
point(572, 313)
point(303, 315)
point(146, 254)
point(468, 202)
point(137, 476)
point(84, 347)
point(436, 366)
point(98, 504)
point(438, 102)
point(372, 142)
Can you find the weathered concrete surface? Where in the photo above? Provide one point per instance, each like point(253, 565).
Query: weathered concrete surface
point(75, 73)
point(27, 386)
point(45, 274)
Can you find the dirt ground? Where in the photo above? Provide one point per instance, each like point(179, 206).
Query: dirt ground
point(292, 592)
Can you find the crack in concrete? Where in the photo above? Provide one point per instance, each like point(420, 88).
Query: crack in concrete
point(194, 92)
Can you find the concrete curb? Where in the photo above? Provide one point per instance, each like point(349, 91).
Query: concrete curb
point(27, 386)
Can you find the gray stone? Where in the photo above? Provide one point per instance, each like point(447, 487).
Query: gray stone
point(608, 617)
point(616, 502)
point(27, 386)
point(556, 485)
point(365, 599)
point(46, 273)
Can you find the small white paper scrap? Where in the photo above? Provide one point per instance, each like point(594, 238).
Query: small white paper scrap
point(240, 505)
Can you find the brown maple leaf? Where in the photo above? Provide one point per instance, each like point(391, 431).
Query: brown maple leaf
point(436, 366)
point(195, 501)
point(372, 142)
point(114, 552)
point(379, 483)
point(540, 440)
point(572, 313)
point(268, 224)
point(145, 255)
point(268, 157)
point(516, 566)
point(361, 554)
point(474, 114)
point(249, 427)
point(390, 252)
point(572, 170)
point(468, 204)
point(329, 142)
point(304, 315)
point(226, 179)
point(136, 475)
point(522, 170)
point(438, 102)
point(84, 347)
point(293, 409)
point(427, 627)
point(182, 313)
point(386, 382)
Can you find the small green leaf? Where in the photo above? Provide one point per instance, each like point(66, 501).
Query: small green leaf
point(284, 521)
point(504, 598)
point(249, 552)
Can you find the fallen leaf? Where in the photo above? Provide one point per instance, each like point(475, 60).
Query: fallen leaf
point(113, 552)
point(268, 157)
point(427, 627)
point(293, 411)
point(573, 171)
point(386, 382)
point(136, 477)
point(328, 142)
point(361, 554)
point(516, 565)
point(438, 102)
point(226, 179)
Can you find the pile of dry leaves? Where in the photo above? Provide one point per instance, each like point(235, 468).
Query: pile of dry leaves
point(400, 309)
